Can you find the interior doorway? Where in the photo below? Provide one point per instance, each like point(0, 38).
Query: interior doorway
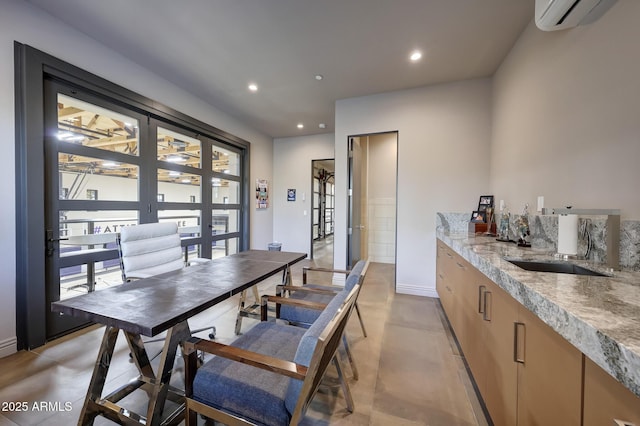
point(373, 171)
point(322, 211)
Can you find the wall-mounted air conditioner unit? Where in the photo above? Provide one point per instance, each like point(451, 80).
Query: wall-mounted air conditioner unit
point(554, 15)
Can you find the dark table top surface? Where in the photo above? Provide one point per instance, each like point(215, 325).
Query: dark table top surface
point(287, 257)
point(152, 305)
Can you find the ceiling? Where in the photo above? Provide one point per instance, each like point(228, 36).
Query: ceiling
point(215, 48)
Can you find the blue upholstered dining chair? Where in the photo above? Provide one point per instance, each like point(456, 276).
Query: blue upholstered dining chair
point(314, 297)
point(269, 375)
point(321, 294)
point(151, 249)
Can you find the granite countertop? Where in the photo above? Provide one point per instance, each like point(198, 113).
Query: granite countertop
point(598, 315)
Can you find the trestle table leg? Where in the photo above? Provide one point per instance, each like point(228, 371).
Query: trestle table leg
point(90, 409)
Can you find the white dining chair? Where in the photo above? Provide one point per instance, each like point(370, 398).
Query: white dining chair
point(150, 249)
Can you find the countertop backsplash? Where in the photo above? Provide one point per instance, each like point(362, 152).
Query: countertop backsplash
point(544, 235)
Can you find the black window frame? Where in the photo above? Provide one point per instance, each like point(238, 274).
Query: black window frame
point(32, 67)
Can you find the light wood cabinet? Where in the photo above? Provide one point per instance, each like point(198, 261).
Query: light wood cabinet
point(443, 277)
point(448, 286)
point(489, 346)
point(474, 328)
point(606, 399)
point(501, 382)
point(526, 373)
point(549, 375)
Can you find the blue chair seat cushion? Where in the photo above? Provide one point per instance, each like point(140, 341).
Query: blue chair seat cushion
point(247, 391)
point(304, 316)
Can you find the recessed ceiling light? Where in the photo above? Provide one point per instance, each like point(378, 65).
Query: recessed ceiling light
point(300, 125)
point(253, 87)
point(322, 126)
point(415, 55)
point(319, 77)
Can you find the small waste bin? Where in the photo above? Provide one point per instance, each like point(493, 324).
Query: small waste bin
point(274, 246)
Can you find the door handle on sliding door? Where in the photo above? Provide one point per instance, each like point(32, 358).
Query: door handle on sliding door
point(50, 241)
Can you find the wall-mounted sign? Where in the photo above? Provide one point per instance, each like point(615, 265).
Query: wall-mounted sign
point(291, 194)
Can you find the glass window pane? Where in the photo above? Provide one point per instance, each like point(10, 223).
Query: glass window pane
point(223, 248)
point(177, 148)
point(179, 187)
point(194, 251)
point(82, 227)
point(225, 191)
point(224, 161)
point(225, 221)
point(87, 178)
point(188, 221)
point(86, 124)
point(93, 234)
point(74, 279)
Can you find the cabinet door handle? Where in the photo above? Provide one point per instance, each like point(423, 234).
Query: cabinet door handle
point(460, 265)
point(481, 303)
point(487, 306)
point(516, 341)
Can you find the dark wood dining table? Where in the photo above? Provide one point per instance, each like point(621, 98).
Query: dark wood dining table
point(253, 310)
point(151, 306)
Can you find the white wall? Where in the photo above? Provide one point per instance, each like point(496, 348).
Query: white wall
point(292, 170)
point(27, 24)
point(566, 116)
point(443, 165)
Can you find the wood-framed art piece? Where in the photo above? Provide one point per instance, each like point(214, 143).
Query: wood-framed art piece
point(484, 202)
point(478, 217)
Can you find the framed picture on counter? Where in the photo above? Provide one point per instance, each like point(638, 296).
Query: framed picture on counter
point(484, 202)
point(478, 217)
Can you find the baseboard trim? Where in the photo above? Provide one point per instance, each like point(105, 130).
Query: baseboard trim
point(416, 290)
point(8, 347)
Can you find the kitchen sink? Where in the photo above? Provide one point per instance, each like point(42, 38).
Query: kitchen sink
point(556, 267)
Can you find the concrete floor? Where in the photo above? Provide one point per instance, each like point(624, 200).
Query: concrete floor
point(410, 370)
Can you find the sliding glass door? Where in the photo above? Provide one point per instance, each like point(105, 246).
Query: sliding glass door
point(109, 165)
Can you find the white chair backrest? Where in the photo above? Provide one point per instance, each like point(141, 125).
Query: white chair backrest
point(149, 249)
